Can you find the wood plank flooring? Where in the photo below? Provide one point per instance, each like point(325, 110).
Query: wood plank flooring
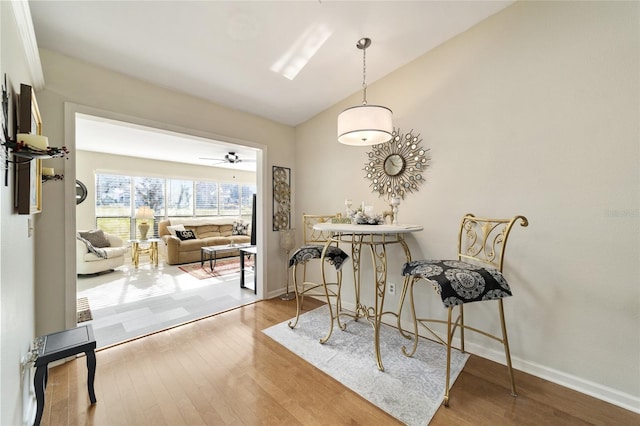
point(223, 370)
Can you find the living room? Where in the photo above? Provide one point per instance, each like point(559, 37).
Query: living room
point(115, 150)
point(542, 96)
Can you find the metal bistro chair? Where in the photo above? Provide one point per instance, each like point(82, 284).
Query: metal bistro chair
point(475, 276)
point(313, 246)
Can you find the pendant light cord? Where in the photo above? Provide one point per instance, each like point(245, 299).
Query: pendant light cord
point(364, 76)
point(363, 43)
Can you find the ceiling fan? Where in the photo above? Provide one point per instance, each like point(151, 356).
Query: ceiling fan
point(230, 158)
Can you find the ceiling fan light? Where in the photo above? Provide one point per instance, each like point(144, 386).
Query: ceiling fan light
point(365, 125)
point(232, 158)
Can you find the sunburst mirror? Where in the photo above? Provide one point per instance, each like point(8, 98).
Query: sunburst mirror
point(397, 167)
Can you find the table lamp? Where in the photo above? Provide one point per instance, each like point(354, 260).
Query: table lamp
point(143, 214)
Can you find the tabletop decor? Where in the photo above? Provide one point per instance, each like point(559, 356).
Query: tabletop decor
point(362, 218)
point(362, 215)
point(396, 168)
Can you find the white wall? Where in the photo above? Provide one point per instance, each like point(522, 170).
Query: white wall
point(535, 112)
point(87, 163)
point(17, 317)
point(75, 85)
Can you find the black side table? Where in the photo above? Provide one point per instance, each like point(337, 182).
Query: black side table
point(248, 251)
point(60, 345)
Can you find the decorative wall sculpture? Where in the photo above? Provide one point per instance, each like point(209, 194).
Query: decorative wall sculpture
point(281, 198)
point(396, 168)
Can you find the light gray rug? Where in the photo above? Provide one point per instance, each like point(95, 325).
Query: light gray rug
point(410, 389)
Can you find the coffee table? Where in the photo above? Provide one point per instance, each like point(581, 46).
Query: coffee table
point(211, 252)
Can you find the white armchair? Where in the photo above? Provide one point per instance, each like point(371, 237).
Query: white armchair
point(90, 263)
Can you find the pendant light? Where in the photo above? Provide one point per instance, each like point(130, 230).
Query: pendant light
point(365, 124)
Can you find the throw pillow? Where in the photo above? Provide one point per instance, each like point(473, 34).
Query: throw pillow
point(173, 228)
point(96, 237)
point(239, 228)
point(91, 249)
point(186, 235)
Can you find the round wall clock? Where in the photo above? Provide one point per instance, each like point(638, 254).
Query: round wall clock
point(394, 165)
point(396, 168)
point(81, 192)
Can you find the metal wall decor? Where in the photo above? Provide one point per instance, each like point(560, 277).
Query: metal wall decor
point(281, 198)
point(81, 192)
point(396, 168)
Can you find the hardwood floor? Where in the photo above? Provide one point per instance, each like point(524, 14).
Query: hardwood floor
point(223, 370)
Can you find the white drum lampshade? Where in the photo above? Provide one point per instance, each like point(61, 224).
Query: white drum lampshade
point(365, 125)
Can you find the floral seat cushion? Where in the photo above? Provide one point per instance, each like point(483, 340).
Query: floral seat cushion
point(460, 282)
point(335, 255)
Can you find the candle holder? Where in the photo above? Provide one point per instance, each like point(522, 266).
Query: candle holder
point(395, 202)
point(348, 209)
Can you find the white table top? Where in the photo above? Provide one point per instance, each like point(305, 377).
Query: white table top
point(352, 228)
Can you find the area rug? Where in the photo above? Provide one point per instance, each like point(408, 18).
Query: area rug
point(410, 389)
point(224, 266)
point(83, 310)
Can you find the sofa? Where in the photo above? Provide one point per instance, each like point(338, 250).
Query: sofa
point(207, 232)
point(91, 259)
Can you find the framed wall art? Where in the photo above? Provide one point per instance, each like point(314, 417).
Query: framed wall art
point(281, 198)
point(28, 170)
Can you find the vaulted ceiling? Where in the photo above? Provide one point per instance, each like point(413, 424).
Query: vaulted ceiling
point(243, 54)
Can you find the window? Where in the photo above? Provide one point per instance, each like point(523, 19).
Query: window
point(113, 195)
point(206, 198)
point(149, 192)
point(179, 197)
point(229, 199)
point(246, 200)
point(113, 204)
point(118, 197)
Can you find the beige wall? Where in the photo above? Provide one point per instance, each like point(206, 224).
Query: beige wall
point(534, 111)
point(74, 86)
point(17, 276)
point(88, 163)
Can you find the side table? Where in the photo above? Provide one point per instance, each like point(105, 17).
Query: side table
point(60, 345)
point(152, 250)
point(248, 251)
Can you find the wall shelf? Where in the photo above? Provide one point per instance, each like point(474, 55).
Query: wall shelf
point(29, 153)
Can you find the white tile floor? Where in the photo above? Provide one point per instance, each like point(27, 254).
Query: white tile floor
point(129, 302)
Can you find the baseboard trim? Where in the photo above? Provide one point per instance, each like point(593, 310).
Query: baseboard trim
point(596, 390)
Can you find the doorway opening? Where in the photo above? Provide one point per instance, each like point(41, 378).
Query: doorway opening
point(125, 166)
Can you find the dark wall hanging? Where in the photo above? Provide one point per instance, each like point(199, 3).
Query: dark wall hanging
point(28, 191)
point(281, 198)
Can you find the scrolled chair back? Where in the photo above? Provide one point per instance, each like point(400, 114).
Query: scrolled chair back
point(313, 236)
point(484, 240)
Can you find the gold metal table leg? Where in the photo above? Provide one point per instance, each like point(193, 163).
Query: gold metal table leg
point(154, 253)
point(379, 259)
point(135, 253)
